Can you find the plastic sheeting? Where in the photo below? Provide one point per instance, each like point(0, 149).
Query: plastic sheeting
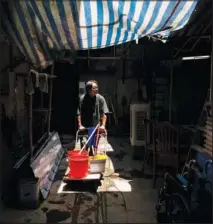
point(39, 27)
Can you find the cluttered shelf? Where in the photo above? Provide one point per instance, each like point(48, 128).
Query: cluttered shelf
point(202, 139)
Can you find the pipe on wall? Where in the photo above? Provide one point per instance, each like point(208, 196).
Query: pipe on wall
point(171, 91)
point(211, 82)
point(50, 99)
point(107, 58)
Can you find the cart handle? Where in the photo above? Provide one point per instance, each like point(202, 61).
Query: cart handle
point(76, 138)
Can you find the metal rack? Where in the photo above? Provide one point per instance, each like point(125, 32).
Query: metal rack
point(49, 109)
point(202, 139)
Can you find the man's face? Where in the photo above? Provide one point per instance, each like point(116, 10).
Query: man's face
point(94, 89)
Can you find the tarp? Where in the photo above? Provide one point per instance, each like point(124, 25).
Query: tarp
point(40, 26)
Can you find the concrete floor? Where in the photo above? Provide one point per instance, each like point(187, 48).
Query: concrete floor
point(58, 208)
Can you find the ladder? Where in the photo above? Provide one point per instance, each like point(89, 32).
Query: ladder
point(112, 110)
point(160, 94)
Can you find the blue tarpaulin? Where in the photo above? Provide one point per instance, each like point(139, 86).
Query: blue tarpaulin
point(39, 26)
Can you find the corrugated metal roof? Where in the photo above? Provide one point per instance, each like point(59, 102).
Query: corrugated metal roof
point(195, 37)
point(201, 19)
point(37, 27)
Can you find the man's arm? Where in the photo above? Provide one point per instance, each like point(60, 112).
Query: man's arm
point(79, 112)
point(104, 120)
point(79, 121)
point(105, 111)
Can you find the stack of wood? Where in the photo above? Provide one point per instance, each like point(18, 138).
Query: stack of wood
point(208, 135)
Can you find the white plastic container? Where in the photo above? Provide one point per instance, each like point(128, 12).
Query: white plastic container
point(102, 145)
point(97, 166)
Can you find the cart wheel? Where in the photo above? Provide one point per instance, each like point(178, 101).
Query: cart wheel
point(158, 208)
point(178, 210)
point(160, 200)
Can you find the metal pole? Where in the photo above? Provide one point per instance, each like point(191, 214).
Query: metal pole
point(185, 43)
point(153, 112)
point(30, 120)
point(50, 99)
point(1, 157)
point(88, 61)
point(196, 42)
point(106, 58)
point(211, 75)
point(211, 78)
point(211, 82)
point(171, 91)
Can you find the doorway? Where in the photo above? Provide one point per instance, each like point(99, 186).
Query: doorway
point(65, 98)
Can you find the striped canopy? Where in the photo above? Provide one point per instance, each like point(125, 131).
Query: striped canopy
point(40, 26)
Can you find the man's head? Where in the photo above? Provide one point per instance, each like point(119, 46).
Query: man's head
point(92, 87)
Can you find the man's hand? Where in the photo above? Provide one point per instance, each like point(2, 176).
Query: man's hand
point(81, 128)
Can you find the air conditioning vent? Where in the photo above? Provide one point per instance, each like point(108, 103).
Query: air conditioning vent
point(138, 113)
point(140, 129)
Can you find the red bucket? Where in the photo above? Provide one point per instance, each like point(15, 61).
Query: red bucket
point(78, 164)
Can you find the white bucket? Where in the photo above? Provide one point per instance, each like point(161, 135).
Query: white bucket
point(97, 166)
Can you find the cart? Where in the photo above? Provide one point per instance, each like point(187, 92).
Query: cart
point(82, 137)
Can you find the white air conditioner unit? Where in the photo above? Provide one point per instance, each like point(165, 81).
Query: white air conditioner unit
point(81, 88)
point(138, 112)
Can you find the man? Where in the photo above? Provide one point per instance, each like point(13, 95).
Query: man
point(92, 108)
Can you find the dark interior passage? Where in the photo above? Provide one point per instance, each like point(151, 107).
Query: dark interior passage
point(65, 98)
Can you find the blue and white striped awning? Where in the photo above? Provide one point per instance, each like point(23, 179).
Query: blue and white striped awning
point(38, 26)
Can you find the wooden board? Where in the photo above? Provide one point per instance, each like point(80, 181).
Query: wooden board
point(92, 176)
point(208, 136)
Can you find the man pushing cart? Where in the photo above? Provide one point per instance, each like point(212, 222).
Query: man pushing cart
point(92, 111)
point(91, 122)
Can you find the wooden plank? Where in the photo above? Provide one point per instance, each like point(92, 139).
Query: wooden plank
point(89, 177)
point(208, 152)
point(198, 148)
point(207, 146)
point(209, 127)
point(208, 142)
point(207, 134)
point(208, 137)
point(209, 118)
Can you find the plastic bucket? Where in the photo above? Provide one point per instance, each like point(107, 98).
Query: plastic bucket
point(78, 164)
point(97, 164)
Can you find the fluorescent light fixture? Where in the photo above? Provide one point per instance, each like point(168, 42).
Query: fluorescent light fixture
point(196, 57)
